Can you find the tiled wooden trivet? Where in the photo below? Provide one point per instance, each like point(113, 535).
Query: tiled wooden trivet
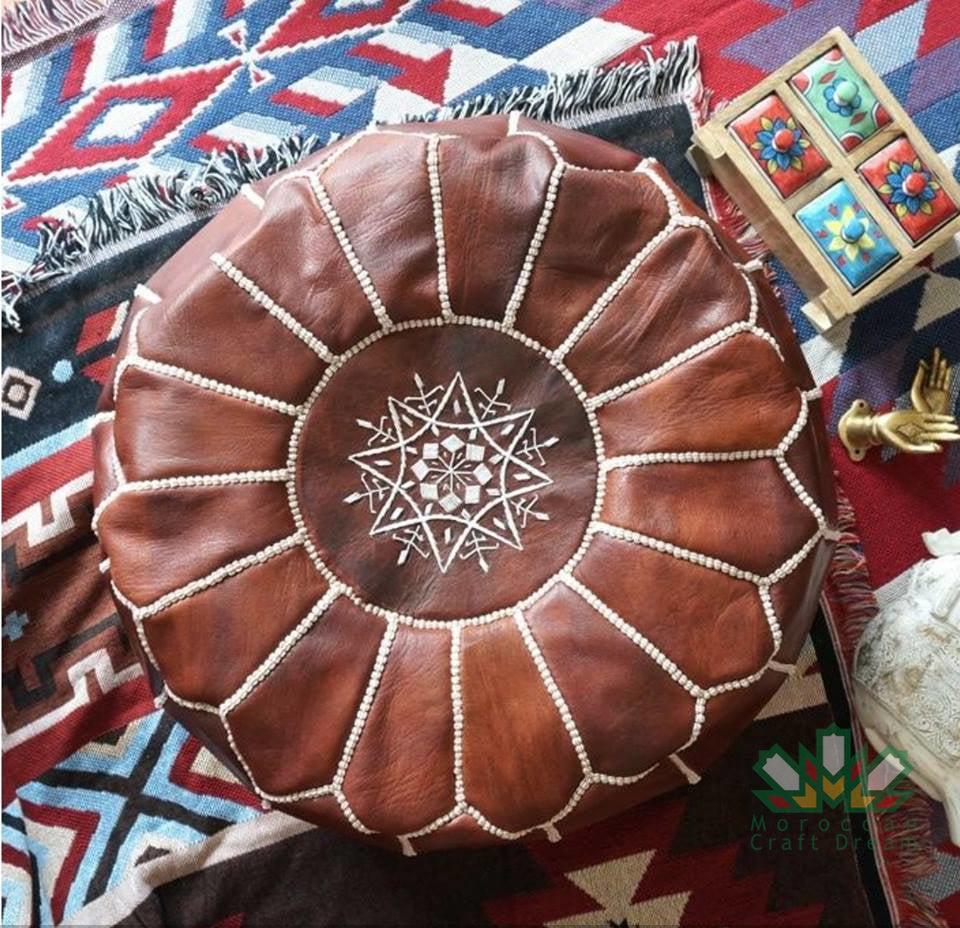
point(834, 176)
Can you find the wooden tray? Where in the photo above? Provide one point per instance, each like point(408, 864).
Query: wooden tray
point(820, 151)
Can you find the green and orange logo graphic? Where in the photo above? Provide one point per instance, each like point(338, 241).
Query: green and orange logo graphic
point(834, 776)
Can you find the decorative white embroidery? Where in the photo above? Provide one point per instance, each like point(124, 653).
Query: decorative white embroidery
point(525, 449)
point(452, 473)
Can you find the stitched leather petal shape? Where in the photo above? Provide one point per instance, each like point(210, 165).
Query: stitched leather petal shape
point(463, 484)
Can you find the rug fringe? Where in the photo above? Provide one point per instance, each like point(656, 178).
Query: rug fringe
point(146, 202)
point(850, 579)
point(909, 833)
point(565, 97)
point(723, 208)
point(30, 22)
point(905, 834)
point(726, 212)
point(142, 203)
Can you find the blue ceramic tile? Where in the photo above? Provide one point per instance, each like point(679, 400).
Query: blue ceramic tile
point(848, 235)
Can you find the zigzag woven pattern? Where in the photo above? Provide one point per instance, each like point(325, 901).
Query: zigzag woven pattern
point(343, 66)
point(178, 80)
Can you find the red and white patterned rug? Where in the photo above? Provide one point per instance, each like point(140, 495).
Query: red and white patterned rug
point(155, 92)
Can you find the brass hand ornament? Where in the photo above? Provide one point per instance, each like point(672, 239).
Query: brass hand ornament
point(913, 431)
point(916, 431)
point(908, 430)
point(931, 385)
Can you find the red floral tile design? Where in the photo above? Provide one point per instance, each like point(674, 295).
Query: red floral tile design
point(908, 188)
point(779, 145)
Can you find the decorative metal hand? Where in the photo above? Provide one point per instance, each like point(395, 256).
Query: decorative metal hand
point(931, 385)
point(914, 431)
point(908, 430)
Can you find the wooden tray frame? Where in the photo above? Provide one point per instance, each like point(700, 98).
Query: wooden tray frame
point(717, 152)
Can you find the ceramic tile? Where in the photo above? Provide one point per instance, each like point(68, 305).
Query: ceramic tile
point(847, 234)
point(840, 98)
point(779, 145)
point(908, 188)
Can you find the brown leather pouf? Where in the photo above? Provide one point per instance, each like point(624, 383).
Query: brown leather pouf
point(462, 484)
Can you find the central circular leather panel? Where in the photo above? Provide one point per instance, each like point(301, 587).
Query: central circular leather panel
point(445, 471)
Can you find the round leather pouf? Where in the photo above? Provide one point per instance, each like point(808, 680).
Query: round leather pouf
point(462, 484)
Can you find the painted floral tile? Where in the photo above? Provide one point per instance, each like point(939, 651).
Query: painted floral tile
point(908, 188)
point(781, 147)
point(840, 98)
point(847, 234)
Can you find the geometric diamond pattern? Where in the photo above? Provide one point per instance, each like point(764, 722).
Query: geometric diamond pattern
point(80, 141)
point(322, 66)
point(184, 77)
point(145, 791)
point(340, 87)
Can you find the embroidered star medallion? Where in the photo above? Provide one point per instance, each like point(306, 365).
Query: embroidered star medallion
point(450, 475)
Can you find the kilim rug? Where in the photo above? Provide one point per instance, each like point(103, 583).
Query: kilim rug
point(139, 824)
point(918, 864)
point(65, 689)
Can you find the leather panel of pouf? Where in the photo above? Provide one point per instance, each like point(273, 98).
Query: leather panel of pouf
point(462, 484)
